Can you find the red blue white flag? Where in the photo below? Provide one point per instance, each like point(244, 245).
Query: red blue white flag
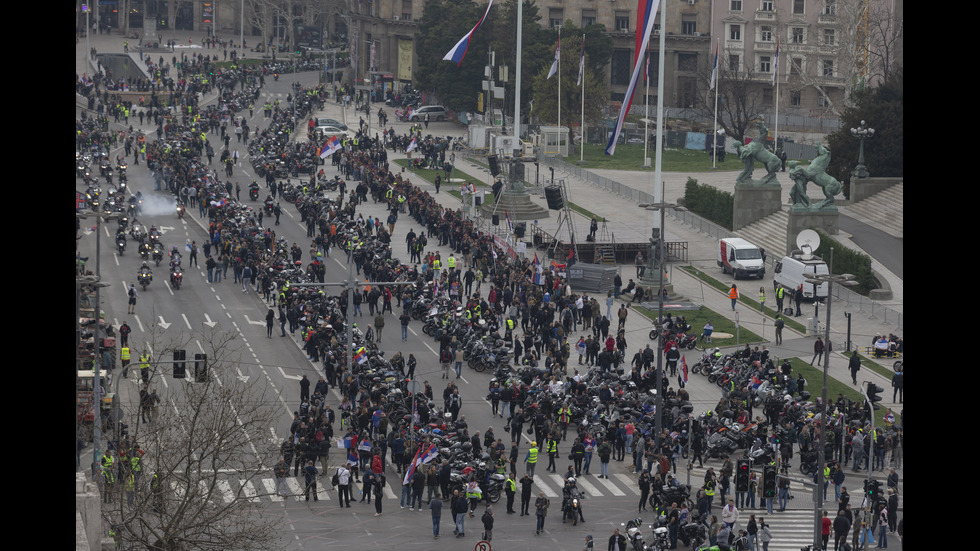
point(646, 11)
point(459, 50)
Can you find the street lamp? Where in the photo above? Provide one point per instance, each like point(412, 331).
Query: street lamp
point(862, 133)
point(97, 346)
point(830, 279)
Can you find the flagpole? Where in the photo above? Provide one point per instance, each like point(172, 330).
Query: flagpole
point(517, 84)
point(559, 78)
point(714, 146)
point(581, 148)
point(646, 112)
point(775, 81)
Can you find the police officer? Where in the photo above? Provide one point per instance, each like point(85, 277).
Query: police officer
point(510, 488)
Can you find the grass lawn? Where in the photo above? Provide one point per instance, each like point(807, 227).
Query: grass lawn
point(430, 175)
point(630, 157)
point(697, 319)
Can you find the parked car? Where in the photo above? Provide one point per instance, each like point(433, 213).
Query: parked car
point(435, 113)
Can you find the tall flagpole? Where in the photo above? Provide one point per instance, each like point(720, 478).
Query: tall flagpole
point(717, 73)
point(517, 84)
point(646, 112)
point(657, 188)
point(559, 78)
point(581, 148)
point(775, 81)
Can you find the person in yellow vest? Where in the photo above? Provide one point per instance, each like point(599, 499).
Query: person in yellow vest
point(733, 294)
point(780, 295)
point(145, 367)
point(552, 452)
point(762, 298)
point(451, 263)
point(510, 488)
point(124, 356)
point(531, 459)
point(108, 476)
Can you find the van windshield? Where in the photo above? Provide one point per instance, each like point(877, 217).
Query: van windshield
point(748, 254)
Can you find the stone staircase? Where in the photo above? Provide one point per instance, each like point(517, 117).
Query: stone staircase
point(884, 210)
point(769, 233)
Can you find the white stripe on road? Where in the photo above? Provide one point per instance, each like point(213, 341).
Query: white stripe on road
point(539, 482)
point(610, 486)
point(628, 482)
point(270, 489)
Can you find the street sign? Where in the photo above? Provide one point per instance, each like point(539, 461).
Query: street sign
point(482, 546)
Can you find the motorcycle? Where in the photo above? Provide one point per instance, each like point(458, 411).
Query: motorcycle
point(269, 206)
point(145, 251)
point(180, 209)
point(176, 276)
point(157, 253)
point(144, 277)
point(253, 191)
point(121, 242)
point(571, 505)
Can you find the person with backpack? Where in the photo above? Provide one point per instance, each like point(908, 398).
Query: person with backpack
point(488, 523)
point(779, 323)
point(445, 358)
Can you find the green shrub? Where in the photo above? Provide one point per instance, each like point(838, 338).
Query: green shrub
point(710, 203)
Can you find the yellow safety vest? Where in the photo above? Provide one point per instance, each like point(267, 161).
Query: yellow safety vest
point(124, 353)
point(144, 361)
point(451, 262)
point(532, 456)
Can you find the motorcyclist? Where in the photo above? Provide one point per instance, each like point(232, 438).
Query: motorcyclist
point(145, 271)
point(571, 492)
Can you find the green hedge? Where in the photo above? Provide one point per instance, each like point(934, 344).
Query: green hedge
point(709, 202)
point(847, 261)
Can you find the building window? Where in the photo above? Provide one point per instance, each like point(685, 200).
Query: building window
point(734, 62)
point(622, 21)
point(828, 67)
point(620, 65)
point(735, 32)
point(765, 33)
point(766, 5)
point(828, 37)
point(765, 64)
point(822, 101)
point(799, 7)
point(830, 7)
point(687, 62)
point(588, 18)
point(797, 35)
point(795, 99)
point(689, 27)
point(687, 90)
point(556, 18)
point(736, 5)
point(795, 65)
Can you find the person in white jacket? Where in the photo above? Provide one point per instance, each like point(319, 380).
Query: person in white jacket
point(729, 515)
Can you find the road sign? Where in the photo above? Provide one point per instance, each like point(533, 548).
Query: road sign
point(482, 546)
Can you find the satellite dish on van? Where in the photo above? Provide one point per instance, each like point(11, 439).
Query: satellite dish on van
point(808, 241)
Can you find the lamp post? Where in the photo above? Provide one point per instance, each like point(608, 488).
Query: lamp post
point(830, 279)
point(97, 345)
point(862, 133)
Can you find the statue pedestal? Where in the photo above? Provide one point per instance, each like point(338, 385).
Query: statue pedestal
point(755, 202)
point(518, 206)
point(799, 220)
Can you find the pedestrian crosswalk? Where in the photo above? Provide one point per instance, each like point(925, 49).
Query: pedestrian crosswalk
point(791, 529)
point(262, 488)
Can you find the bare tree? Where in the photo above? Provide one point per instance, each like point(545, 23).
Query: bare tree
point(203, 432)
point(740, 95)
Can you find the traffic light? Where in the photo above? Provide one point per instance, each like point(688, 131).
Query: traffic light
point(769, 481)
point(874, 395)
point(742, 476)
point(180, 369)
point(201, 368)
point(874, 490)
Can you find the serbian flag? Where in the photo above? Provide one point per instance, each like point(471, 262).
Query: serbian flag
point(581, 63)
point(646, 11)
point(554, 64)
point(360, 356)
point(428, 455)
point(714, 70)
point(411, 468)
point(684, 367)
point(412, 146)
point(331, 146)
point(538, 271)
point(459, 50)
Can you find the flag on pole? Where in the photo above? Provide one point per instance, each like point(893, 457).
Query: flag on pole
point(412, 146)
point(411, 468)
point(459, 50)
point(331, 146)
point(714, 70)
point(684, 367)
point(360, 356)
point(510, 228)
point(581, 63)
point(646, 11)
point(538, 277)
point(554, 64)
point(775, 64)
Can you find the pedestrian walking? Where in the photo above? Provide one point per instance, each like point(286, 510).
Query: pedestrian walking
point(817, 351)
point(779, 323)
point(733, 294)
point(762, 298)
point(310, 474)
point(133, 295)
point(541, 511)
point(435, 506)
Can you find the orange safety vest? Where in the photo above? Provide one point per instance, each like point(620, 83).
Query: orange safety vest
point(733, 294)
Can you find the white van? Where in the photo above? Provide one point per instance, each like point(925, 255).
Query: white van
point(791, 273)
point(740, 258)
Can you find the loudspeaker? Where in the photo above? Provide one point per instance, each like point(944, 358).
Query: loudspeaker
point(477, 200)
point(494, 166)
point(495, 220)
point(554, 198)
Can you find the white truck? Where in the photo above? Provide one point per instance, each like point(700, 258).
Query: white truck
point(740, 258)
point(791, 273)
